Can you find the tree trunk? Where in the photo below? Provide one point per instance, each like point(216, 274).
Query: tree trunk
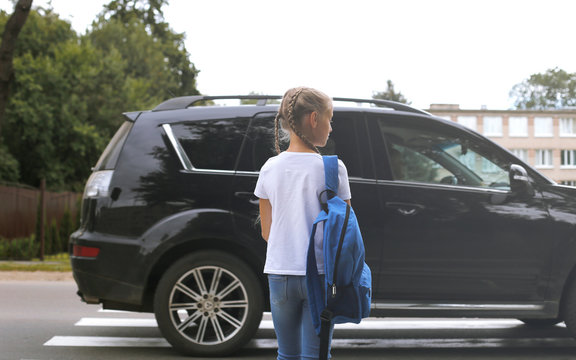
point(7, 47)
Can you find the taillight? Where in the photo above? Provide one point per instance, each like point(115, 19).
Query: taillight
point(85, 251)
point(98, 184)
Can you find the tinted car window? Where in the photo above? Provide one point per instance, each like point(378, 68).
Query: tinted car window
point(437, 154)
point(110, 155)
point(212, 144)
point(343, 141)
point(259, 143)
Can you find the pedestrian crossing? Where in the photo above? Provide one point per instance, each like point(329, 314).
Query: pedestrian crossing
point(102, 341)
point(370, 333)
point(367, 324)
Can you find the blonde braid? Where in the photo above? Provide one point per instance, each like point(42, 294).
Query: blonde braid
point(277, 133)
point(292, 123)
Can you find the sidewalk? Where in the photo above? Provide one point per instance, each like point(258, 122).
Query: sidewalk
point(35, 276)
point(20, 275)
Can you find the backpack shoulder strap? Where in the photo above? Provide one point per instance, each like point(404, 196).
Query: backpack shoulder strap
point(331, 172)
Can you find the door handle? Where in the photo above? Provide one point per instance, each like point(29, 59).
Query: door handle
point(407, 212)
point(252, 199)
point(405, 209)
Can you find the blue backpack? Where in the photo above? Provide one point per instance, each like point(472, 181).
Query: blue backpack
point(346, 292)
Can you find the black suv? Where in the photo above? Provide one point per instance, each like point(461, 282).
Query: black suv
point(453, 224)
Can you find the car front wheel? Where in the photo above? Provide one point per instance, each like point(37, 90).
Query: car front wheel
point(208, 303)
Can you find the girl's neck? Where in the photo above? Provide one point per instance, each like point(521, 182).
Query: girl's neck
point(304, 148)
point(297, 145)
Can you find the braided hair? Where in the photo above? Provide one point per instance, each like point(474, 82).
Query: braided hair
point(296, 103)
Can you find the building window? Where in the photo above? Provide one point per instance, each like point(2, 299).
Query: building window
point(543, 127)
point(544, 158)
point(468, 121)
point(568, 182)
point(521, 154)
point(568, 158)
point(567, 127)
point(518, 126)
point(492, 126)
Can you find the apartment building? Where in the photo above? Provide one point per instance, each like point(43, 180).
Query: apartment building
point(545, 139)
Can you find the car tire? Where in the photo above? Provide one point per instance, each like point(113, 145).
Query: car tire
point(208, 303)
point(541, 323)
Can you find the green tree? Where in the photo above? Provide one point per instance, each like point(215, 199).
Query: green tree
point(69, 91)
point(391, 94)
point(9, 167)
point(47, 130)
point(178, 71)
point(66, 227)
point(255, 101)
point(553, 89)
point(250, 101)
point(148, 11)
point(12, 28)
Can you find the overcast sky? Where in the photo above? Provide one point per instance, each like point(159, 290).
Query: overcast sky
point(460, 52)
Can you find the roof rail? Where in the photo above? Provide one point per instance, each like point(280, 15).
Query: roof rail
point(385, 103)
point(186, 101)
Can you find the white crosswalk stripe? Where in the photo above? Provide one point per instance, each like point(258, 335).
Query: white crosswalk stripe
point(121, 322)
point(100, 341)
point(367, 325)
point(103, 341)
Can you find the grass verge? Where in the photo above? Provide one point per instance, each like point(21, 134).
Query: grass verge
point(58, 262)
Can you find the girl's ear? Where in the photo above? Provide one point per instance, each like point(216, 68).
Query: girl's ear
point(313, 119)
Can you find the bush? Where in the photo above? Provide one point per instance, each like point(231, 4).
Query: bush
point(56, 237)
point(67, 227)
point(19, 249)
point(53, 239)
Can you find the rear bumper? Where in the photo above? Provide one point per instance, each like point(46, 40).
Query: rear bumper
point(94, 289)
point(105, 279)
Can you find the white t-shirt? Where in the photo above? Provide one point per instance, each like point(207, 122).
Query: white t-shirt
point(292, 181)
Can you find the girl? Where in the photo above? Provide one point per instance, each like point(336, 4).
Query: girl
point(288, 188)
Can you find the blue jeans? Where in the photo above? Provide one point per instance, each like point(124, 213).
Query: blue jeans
point(295, 332)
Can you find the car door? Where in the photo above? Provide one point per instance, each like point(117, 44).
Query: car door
point(452, 229)
point(349, 140)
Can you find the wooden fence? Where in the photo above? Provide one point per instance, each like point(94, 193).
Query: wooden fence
point(19, 209)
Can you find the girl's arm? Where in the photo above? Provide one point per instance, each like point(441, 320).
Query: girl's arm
point(265, 217)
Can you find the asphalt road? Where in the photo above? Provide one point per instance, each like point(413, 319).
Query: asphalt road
point(42, 320)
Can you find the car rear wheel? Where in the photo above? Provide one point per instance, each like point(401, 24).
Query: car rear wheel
point(208, 303)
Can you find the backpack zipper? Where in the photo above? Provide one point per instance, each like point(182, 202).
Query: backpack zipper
point(340, 243)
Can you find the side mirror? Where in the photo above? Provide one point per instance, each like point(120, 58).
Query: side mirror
point(520, 183)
